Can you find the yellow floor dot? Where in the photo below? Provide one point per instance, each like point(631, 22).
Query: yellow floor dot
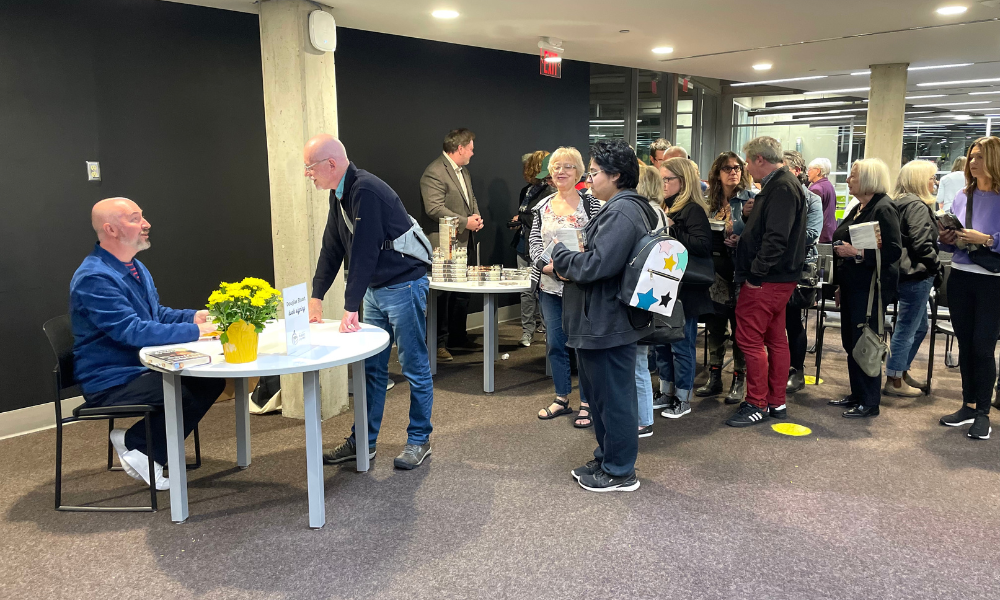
point(791, 429)
point(810, 380)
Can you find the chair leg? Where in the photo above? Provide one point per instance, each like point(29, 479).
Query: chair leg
point(59, 448)
point(197, 450)
point(152, 472)
point(111, 427)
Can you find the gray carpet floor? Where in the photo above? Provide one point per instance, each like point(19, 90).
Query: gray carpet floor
point(893, 507)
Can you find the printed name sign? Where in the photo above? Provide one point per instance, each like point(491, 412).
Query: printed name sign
point(296, 318)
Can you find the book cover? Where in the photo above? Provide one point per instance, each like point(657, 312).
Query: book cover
point(177, 359)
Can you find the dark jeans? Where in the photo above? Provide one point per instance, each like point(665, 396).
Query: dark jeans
point(864, 389)
point(975, 315)
point(453, 312)
point(607, 379)
point(796, 337)
point(197, 396)
point(718, 334)
point(555, 345)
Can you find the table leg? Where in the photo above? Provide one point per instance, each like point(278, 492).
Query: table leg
point(489, 346)
point(173, 410)
point(432, 330)
point(496, 327)
point(360, 414)
point(314, 449)
point(242, 422)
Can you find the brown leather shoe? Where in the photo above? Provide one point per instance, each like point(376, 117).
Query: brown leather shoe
point(444, 355)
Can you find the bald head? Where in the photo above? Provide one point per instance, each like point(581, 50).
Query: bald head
point(675, 152)
point(326, 161)
point(120, 227)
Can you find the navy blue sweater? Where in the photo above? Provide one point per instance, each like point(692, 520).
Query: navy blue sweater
point(114, 316)
point(379, 216)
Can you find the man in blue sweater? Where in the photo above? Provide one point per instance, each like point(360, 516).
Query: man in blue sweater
point(365, 215)
point(116, 311)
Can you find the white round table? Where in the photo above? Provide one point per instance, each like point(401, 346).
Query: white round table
point(490, 342)
point(330, 348)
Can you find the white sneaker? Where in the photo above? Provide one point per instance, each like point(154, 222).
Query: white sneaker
point(140, 462)
point(526, 340)
point(118, 441)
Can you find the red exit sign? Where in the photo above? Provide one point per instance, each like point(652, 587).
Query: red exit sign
point(549, 64)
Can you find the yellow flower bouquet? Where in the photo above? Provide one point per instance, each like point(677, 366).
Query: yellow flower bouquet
point(240, 311)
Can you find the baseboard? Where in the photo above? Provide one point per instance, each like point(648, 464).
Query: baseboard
point(33, 418)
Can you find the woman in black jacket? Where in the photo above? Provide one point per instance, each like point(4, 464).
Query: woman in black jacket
point(536, 173)
point(918, 267)
point(688, 214)
point(868, 182)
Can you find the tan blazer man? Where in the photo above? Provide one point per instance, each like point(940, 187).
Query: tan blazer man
point(446, 187)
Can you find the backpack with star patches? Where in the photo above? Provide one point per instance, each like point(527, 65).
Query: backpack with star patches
point(651, 282)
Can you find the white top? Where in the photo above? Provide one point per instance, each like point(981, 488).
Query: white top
point(949, 186)
point(492, 287)
point(330, 349)
point(459, 176)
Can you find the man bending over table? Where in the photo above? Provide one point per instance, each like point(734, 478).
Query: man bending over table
point(116, 311)
point(364, 215)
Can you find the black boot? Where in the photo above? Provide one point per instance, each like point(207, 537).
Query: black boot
point(738, 390)
point(796, 380)
point(714, 384)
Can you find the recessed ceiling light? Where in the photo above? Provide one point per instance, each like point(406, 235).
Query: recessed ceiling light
point(951, 10)
point(932, 67)
point(445, 14)
point(982, 93)
point(927, 96)
point(779, 80)
point(762, 66)
point(958, 82)
point(962, 117)
point(951, 104)
point(843, 91)
point(663, 50)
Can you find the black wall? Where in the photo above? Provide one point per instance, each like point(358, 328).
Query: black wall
point(397, 98)
point(169, 99)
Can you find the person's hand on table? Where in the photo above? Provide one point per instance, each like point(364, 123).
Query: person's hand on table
point(315, 310)
point(971, 236)
point(206, 328)
point(845, 250)
point(349, 322)
point(200, 317)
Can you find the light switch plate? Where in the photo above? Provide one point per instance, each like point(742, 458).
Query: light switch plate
point(93, 170)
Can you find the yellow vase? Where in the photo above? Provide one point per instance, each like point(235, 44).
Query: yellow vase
point(242, 345)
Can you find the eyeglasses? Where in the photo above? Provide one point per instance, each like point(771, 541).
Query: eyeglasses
point(592, 174)
point(731, 168)
point(668, 179)
point(557, 168)
point(313, 166)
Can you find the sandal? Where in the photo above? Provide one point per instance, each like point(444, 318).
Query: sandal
point(587, 419)
point(565, 410)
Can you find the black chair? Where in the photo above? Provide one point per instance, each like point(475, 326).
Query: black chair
point(60, 334)
point(941, 324)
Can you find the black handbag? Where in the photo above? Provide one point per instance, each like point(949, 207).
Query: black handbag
point(666, 330)
point(700, 270)
point(979, 254)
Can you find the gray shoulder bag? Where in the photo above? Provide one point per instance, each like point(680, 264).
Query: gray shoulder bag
point(871, 352)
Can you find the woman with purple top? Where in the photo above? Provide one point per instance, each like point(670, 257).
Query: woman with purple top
point(819, 170)
point(973, 287)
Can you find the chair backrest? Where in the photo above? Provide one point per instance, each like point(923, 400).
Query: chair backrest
point(941, 294)
point(59, 330)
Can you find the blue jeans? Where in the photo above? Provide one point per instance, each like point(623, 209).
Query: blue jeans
point(401, 310)
point(555, 344)
point(676, 361)
point(644, 386)
point(911, 325)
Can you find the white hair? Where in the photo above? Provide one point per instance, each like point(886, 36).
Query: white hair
point(823, 164)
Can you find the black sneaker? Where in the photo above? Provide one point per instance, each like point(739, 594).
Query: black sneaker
point(747, 415)
point(964, 416)
point(645, 431)
point(661, 400)
point(588, 469)
point(602, 482)
point(411, 456)
point(778, 412)
point(345, 452)
point(980, 429)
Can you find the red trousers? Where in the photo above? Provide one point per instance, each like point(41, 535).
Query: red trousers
point(760, 334)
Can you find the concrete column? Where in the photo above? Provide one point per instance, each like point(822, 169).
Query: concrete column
point(886, 105)
point(300, 101)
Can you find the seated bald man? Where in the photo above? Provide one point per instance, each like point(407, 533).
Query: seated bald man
point(116, 311)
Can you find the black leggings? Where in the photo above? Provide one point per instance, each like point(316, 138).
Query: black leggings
point(975, 315)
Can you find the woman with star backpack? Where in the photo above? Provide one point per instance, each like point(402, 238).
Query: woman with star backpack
point(687, 212)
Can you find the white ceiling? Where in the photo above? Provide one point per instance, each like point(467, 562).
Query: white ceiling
point(714, 38)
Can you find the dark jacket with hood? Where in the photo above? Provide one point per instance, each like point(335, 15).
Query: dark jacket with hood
point(593, 316)
point(691, 228)
point(918, 234)
point(772, 247)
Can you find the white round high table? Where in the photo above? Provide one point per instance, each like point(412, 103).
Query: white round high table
point(491, 342)
point(330, 348)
